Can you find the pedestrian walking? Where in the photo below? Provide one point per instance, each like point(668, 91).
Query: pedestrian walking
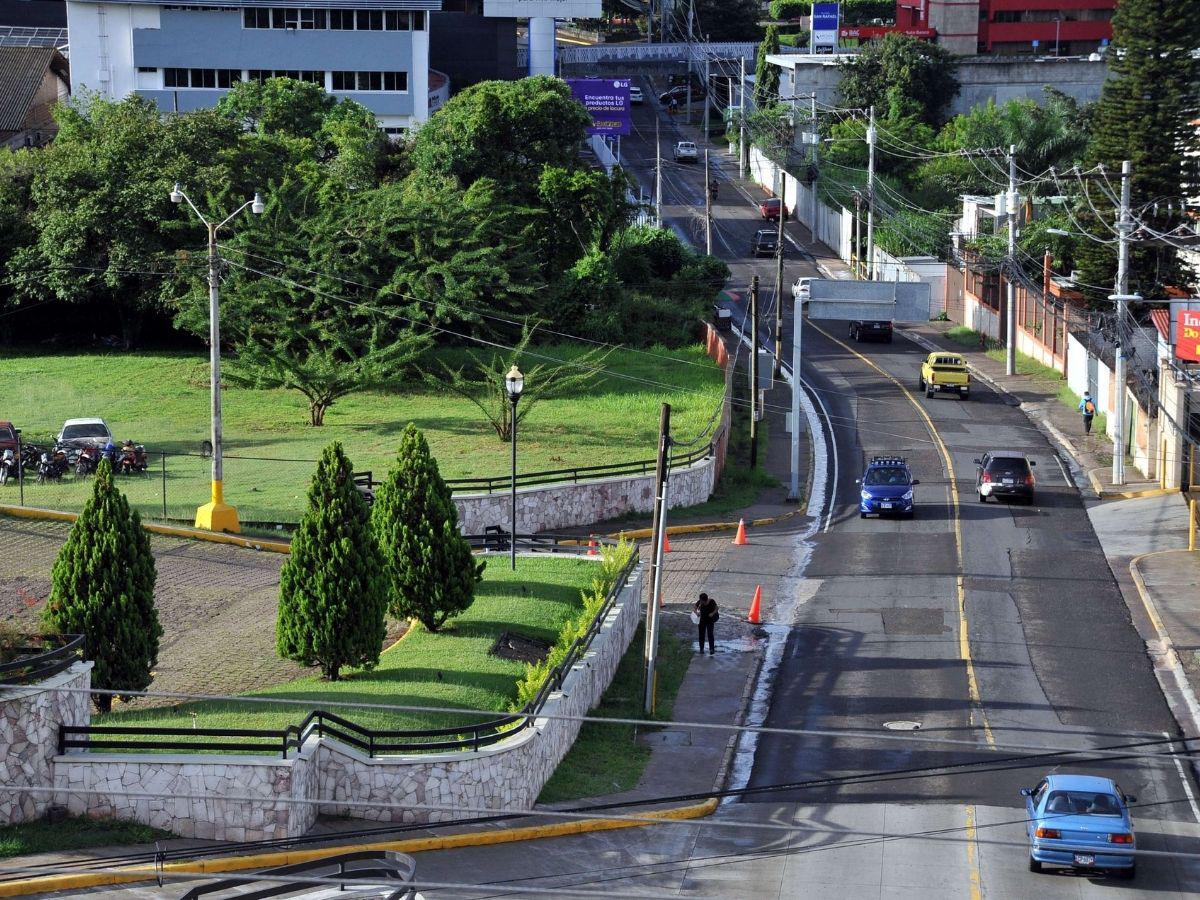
point(705, 615)
point(1087, 406)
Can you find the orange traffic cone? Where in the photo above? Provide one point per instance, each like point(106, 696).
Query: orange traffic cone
point(592, 551)
point(739, 539)
point(755, 612)
point(666, 543)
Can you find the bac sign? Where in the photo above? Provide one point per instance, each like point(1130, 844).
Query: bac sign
point(607, 99)
point(1187, 335)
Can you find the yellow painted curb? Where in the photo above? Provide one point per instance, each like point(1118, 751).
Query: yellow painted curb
point(288, 857)
point(704, 528)
point(1144, 592)
point(1107, 493)
point(179, 531)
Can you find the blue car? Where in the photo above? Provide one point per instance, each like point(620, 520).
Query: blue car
point(1081, 822)
point(886, 488)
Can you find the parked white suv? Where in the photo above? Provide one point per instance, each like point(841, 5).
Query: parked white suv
point(685, 151)
point(85, 433)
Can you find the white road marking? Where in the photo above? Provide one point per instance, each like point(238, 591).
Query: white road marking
point(1187, 786)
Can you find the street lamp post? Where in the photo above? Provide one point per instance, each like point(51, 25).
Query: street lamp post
point(216, 515)
point(514, 382)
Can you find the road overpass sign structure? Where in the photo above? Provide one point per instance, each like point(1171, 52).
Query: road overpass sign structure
point(894, 301)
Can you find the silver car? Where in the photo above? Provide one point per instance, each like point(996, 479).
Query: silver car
point(78, 433)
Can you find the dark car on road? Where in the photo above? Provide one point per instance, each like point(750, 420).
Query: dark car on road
point(865, 330)
point(765, 243)
point(8, 437)
point(680, 95)
point(1005, 473)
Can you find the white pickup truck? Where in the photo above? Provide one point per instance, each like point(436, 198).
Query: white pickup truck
point(685, 151)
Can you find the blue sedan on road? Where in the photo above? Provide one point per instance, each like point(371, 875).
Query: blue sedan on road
point(1081, 822)
point(886, 488)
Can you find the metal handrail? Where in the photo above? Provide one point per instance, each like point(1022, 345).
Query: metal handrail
point(322, 723)
point(39, 663)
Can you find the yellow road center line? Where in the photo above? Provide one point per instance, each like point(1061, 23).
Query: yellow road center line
point(973, 855)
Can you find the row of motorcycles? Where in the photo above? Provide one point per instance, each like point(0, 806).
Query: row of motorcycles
point(51, 465)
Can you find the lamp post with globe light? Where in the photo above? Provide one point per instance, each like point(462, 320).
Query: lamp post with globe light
point(216, 515)
point(514, 383)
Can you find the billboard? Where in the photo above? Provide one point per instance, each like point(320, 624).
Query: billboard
point(1187, 335)
point(553, 9)
point(894, 301)
point(607, 99)
point(824, 27)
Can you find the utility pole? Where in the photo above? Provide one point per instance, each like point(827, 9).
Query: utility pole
point(871, 197)
point(743, 152)
point(657, 175)
point(797, 332)
point(857, 235)
point(777, 368)
point(816, 135)
point(707, 94)
point(1010, 354)
point(656, 556)
point(754, 372)
point(691, 12)
point(708, 198)
point(1124, 227)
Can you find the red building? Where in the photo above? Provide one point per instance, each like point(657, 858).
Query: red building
point(967, 27)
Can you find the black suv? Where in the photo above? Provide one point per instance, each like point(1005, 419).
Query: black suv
point(1005, 473)
point(863, 330)
point(765, 243)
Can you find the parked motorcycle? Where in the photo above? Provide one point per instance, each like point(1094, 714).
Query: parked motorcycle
point(52, 466)
point(131, 460)
point(31, 456)
point(8, 466)
point(87, 459)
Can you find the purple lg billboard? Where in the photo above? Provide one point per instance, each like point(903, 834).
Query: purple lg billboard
point(607, 99)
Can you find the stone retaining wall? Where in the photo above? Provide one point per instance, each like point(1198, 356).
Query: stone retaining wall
point(255, 798)
point(29, 722)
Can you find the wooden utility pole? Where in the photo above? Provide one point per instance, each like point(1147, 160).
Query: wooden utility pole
point(754, 373)
point(777, 368)
point(658, 533)
point(657, 175)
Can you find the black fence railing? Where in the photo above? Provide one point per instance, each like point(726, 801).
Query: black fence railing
point(44, 656)
point(319, 723)
point(266, 491)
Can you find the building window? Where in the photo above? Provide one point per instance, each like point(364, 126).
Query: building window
point(341, 19)
point(200, 78)
point(395, 20)
point(1007, 15)
point(302, 75)
point(256, 18)
point(147, 69)
point(418, 20)
point(370, 81)
point(333, 19)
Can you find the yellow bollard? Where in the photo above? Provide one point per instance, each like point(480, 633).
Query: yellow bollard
point(1191, 524)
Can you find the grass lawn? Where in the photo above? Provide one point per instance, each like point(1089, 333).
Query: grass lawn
point(161, 400)
point(1026, 365)
point(606, 759)
point(73, 834)
point(452, 668)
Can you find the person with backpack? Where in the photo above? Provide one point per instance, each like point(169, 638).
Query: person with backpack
point(705, 614)
point(1087, 406)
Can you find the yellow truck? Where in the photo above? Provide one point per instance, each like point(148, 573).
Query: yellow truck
point(943, 373)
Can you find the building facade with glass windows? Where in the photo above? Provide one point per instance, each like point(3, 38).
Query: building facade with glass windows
point(185, 57)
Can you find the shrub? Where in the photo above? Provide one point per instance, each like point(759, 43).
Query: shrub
point(332, 589)
point(102, 587)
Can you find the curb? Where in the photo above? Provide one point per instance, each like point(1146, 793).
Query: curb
point(708, 527)
point(1109, 494)
point(1180, 697)
point(179, 531)
point(412, 845)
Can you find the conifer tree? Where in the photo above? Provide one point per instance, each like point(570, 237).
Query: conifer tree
point(332, 592)
point(102, 586)
point(766, 76)
point(431, 572)
point(1144, 115)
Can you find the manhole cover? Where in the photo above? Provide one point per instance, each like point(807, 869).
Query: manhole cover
point(520, 647)
point(902, 726)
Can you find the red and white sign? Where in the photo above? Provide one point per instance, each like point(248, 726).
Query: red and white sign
point(874, 32)
point(1187, 335)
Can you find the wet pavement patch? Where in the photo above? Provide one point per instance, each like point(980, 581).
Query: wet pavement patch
point(913, 620)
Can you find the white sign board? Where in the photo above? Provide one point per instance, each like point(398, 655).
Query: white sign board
point(533, 9)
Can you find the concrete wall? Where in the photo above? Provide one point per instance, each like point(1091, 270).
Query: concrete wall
point(246, 798)
point(1088, 372)
point(29, 721)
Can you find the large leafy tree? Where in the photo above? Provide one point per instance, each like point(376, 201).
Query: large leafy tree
point(900, 69)
point(104, 222)
point(430, 570)
point(17, 168)
point(504, 130)
point(766, 76)
point(102, 586)
point(1146, 115)
point(332, 589)
point(587, 206)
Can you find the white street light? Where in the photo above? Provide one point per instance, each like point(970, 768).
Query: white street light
point(216, 515)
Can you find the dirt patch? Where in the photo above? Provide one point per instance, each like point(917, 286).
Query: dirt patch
point(520, 647)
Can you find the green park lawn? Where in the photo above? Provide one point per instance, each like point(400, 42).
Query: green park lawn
point(161, 400)
point(452, 668)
